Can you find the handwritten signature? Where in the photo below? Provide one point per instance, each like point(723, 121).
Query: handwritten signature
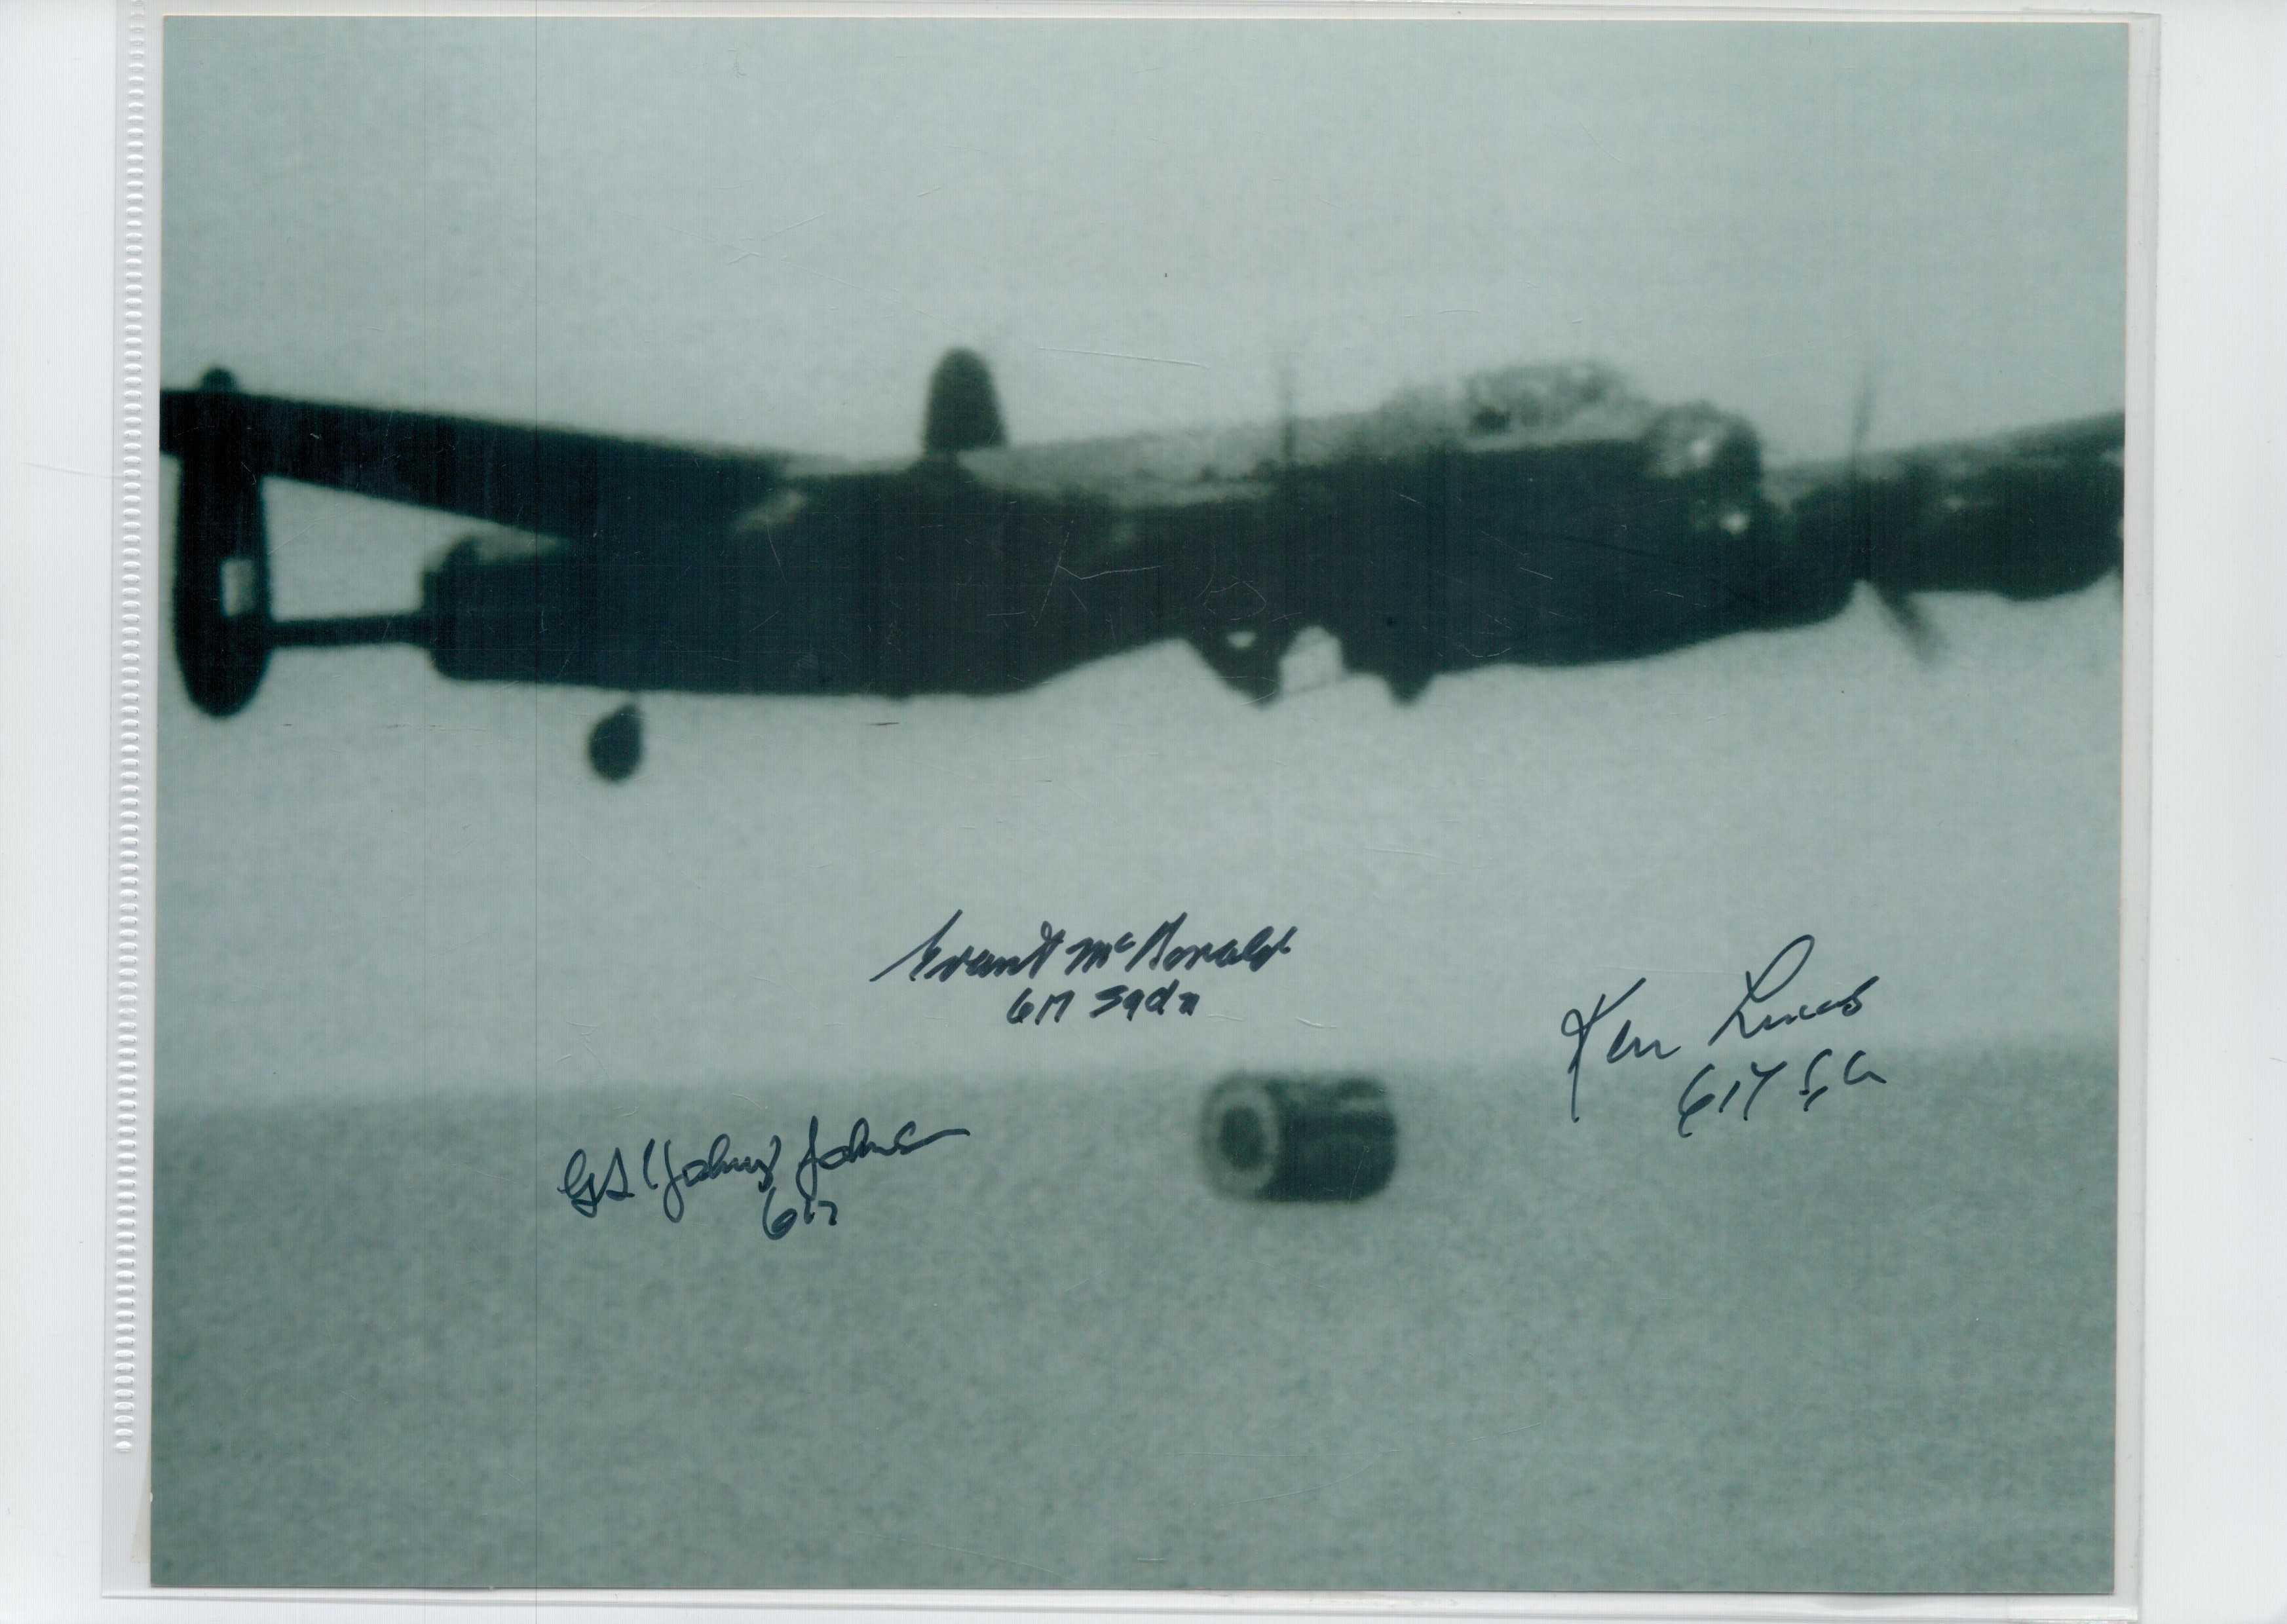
point(1162, 951)
point(587, 1190)
point(1747, 1020)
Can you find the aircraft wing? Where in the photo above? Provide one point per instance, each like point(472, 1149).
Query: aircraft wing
point(2086, 440)
point(2026, 514)
point(549, 482)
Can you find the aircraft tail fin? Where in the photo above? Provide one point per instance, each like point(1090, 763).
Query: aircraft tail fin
point(964, 412)
point(222, 559)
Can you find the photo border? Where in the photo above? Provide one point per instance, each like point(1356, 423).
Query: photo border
point(125, 1471)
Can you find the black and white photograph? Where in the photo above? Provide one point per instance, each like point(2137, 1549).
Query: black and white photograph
point(1122, 803)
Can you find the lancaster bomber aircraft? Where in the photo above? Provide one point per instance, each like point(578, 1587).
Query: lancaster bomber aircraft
point(1545, 515)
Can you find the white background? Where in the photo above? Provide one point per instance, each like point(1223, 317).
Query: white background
point(2217, 1424)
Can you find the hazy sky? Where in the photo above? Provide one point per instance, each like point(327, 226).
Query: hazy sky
point(765, 232)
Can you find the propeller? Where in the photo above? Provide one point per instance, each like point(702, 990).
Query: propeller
point(1912, 624)
point(1906, 613)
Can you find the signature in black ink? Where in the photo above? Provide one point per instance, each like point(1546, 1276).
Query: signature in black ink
point(1687, 1107)
point(1161, 951)
point(1763, 989)
point(587, 1190)
point(1623, 1046)
point(973, 961)
point(1165, 1000)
